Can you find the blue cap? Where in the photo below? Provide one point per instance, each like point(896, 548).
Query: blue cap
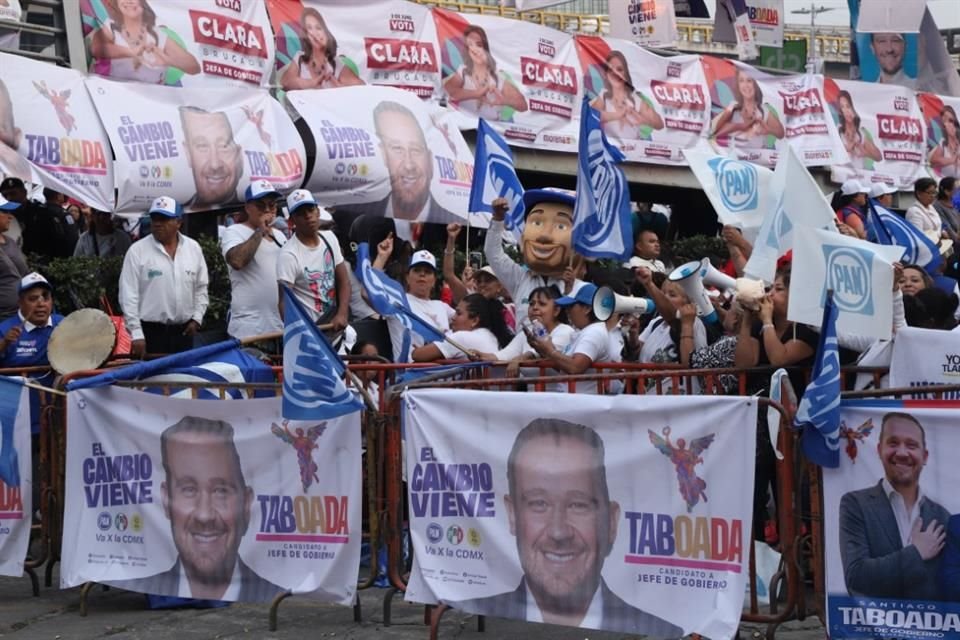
point(563, 196)
point(32, 280)
point(260, 189)
point(6, 205)
point(300, 198)
point(166, 206)
point(582, 293)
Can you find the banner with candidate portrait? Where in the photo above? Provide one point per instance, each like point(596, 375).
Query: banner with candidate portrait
point(753, 114)
point(891, 530)
point(383, 151)
point(10, 10)
point(570, 510)
point(201, 147)
point(882, 129)
point(943, 134)
point(188, 43)
point(209, 499)
point(766, 23)
point(648, 23)
point(926, 358)
point(16, 476)
point(651, 107)
point(50, 133)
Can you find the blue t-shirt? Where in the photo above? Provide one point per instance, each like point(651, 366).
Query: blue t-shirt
point(30, 350)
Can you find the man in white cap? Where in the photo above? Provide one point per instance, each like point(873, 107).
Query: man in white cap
point(163, 285)
point(251, 249)
point(312, 265)
point(13, 265)
point(883, 194)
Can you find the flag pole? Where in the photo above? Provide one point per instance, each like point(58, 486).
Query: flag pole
point(424, 322)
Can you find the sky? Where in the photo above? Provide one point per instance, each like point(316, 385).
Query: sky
point(946, 13)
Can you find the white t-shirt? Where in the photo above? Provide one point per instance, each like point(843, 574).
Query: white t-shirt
point(435, 312)
point(481, 340)
point(311, 271)
point(659, 348)
point(149, 70)
point(593, 341)
point(561, 336)
point(253, 302)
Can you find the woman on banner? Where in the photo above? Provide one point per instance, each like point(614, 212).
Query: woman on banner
point(478, 327)
point(134, 48)
point(477, 87)
point(748, 121)
point(856, 139)
point(317, 65)
point(625, 113)
point(945, 157)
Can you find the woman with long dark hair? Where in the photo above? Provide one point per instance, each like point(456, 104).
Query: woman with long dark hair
point(317, 65)
point(945, 157)
point(848, 204)
point(748, 120)
point(624, 112)
point(478, 326)
point(476, 86)
point(856, 140)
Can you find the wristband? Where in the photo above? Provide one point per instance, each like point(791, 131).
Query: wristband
point(767, 326)
point(449, 252)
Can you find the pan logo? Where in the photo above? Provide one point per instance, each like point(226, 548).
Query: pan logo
point(850, 275)
point(434, 532)
point(736, 182)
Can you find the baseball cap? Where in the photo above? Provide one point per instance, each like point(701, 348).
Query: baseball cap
point(852, 186)
point(166, 206)
point(583, 293)
point(423, 257)
point(881, 189)
point(6, 205)
point(32, 280)
point(563, 196)
point(487, 269)
point(298, 199)
point(11, 183)
point(260, 189)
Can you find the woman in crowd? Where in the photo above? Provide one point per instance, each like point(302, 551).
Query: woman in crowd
point(748, 121)
point(317, 65)
point(483, 281)
point(848, 203)
point(476, 86)
point(478, 327)
point(135, 47)
point(941, 308)
point(949, 215)
point(669, 338)
point(945, 157)
point(921, 214)
point(856, 139)
point(914, 279)
point(624, 112)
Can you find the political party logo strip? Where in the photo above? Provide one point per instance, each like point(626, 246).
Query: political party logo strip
point(653, 514)
point(282, 497)
point(16, 476)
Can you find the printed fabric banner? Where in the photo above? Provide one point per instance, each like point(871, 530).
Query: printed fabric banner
point(753, 114)
point(569, 510)
point(185, 43)
point(201, 147)
point(324, 45)
point(943, 134)
point(518, 76)
point(882, 129)
point(766, 23)
point(208, 499)
point(924, 358)
point(651, 107)
point(50, 133)
point(10, 10)
point(649, 23)
point(16, 477)
point(891, 523)
point(385, 152)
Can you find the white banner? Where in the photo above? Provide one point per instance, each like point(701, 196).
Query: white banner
point(888, 577)
point(649, 23)
point(179, 42)
point(210, 499)
point(926, 357)
point(16, 477)
point(383, 151)
point(766, 23)
point(10, 10)
point(50, 133)
point(201, 147)
point(943, 134)
point(860, 274)
point(592, 519)
point(884, 16)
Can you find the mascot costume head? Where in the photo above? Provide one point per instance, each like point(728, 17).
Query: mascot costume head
point(547, 239)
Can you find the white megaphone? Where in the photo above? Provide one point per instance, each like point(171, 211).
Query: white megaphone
point(717, 279)
point(690, 278)
point(606, 303)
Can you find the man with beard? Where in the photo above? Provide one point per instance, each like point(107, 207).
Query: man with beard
point(207, 502)
point(889, 49)
point(565, 524)
point(892, 534)
point(214, 156)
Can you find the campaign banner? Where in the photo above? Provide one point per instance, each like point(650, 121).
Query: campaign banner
point(890, 574)
point(16, 477)
point(517, 513)
point(651, 107)
point(924, 358)
point(754, 114)
point(648, 23)
point(50, 133)
point(519, 76)
point(201, 147)
point(943, 134)
point(882, 129)
point(208, 499)
point(324, 45)
point(766, 23)
point(188, 43)
point(10, 10)
point(383, 151)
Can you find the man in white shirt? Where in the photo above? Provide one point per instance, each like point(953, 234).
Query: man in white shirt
point(646, 252)
point(311, 264)
point(251, 249)
point(163, 285)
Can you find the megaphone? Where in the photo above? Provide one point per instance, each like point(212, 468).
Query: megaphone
point(606, 303)
point(690, 278)
point(717, 279)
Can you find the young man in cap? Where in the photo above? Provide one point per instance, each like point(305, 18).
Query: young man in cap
point(251, 249)
point(13, 266)
point(311, 264)
point(163, 285)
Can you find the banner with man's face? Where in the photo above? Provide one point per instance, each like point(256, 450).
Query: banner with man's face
point(189, 43)
point(882, 129)
point(16, 477)
point(202, 147)
point(385, 152)
point(891, 533)
point(943, 134)
point(50, 133)
point(210, 499)
point(583, 510)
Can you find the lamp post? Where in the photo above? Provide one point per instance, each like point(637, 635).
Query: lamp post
point(813, 60)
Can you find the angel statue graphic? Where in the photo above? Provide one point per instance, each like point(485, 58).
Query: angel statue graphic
point(852, 436)
point(304, 444)
point(692, 487)
point(256, 118)
point(59, 100)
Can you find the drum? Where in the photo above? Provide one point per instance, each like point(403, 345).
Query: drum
point(83, 340)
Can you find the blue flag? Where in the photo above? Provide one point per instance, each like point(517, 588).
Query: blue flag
point(601, 219)
point(313, 386)
point(494, 176)
point(11, 394)
point(818, 413)
point(886, 227)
